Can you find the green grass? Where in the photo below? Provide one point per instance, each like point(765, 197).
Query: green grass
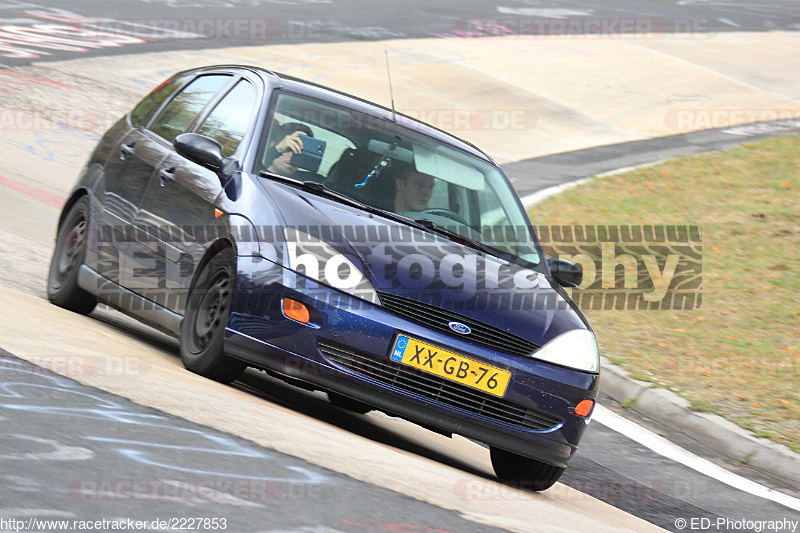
point(627, 404)
point(738, 355)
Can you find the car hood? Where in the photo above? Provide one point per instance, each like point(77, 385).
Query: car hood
point(407, 262)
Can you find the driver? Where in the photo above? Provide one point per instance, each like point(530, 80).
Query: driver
point(413, 191)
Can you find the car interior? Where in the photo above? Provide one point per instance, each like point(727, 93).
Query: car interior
point(363, 155)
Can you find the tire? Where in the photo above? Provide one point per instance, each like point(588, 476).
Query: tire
point(523, 472)
point(203, 325)
point(345, 402)
point(68, 256)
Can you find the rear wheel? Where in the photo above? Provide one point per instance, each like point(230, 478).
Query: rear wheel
point(345, 402)
point(203, 325)
point(524, 472)
point(68, 256)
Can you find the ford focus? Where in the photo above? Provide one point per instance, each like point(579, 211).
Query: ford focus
point(273, 223)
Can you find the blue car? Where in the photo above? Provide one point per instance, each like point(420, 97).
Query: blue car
point(274, 223)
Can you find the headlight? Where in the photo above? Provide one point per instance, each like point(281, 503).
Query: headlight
point(575, 349)
point(318, 260)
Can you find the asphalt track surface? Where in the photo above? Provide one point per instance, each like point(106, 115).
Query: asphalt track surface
point(534, 175)
point(73, 452)
point(633, 478)
point(192, 24)
point(119, 460)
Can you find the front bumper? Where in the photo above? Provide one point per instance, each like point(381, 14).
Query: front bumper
point(346, 348)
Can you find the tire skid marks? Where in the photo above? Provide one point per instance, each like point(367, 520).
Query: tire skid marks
point(27, 388)
point(61, 146)
point(60, 452)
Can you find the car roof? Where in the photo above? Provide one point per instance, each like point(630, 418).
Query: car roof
point(327, 94)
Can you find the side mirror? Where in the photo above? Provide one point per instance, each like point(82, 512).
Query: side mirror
point(200, 149)
point(564, 272)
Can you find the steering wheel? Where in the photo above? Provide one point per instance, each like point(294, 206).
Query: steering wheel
point(446, 213)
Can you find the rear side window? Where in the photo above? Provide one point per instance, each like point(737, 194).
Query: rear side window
point(229, 120)
point(144, 110)
point(184, 108)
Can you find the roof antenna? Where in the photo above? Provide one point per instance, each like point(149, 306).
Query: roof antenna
point(391, 93)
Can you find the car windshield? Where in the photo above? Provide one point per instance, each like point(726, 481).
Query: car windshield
point(393, 168)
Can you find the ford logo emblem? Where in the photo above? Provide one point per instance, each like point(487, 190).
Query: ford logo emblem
point(458, 327)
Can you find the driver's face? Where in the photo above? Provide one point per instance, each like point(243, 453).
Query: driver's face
point(414, 193)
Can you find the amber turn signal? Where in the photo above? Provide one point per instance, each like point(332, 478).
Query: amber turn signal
point(296, 311)
point(584, 408)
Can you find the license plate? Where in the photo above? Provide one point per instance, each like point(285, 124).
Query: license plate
point(450, 365)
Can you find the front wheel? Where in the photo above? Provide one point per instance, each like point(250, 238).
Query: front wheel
point(524, 472)
point(68, 256)
point(203, 325)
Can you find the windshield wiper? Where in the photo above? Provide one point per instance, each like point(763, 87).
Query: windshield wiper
point(456, 236)
point(472, 243)
point(315, 187)
point(419, 223)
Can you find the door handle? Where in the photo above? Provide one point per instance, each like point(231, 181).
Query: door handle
point(166, 176)
point(127, 150)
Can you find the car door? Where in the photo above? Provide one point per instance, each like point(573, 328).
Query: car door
point(178, 208)
point(126, 175)
point(152, 147)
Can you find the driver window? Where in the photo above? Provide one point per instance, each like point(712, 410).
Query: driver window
point(150, 104)
point(184, 108)
point(229, 120)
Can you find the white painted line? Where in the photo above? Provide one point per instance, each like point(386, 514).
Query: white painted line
point(539, 196)
point(758, 128)
point(662, 446)
point(545, 12)
point(730, 23)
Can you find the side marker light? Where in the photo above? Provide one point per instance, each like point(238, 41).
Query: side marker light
point(295, 310)
point(584, 408)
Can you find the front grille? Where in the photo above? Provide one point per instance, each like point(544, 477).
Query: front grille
point(438, 319)
point(437, 389)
